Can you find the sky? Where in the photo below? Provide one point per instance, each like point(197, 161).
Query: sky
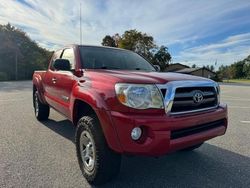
point(197, 32)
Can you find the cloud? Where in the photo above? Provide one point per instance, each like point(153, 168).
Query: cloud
point(230, 42)
point(53, 24)
point(225, 52)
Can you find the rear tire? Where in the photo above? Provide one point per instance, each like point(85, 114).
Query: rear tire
point(98, 163)
point(41, 110)
point(192, 147)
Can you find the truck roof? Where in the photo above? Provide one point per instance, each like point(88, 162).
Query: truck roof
point(86, 45)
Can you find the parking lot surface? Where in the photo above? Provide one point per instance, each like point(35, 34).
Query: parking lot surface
point(35, 154)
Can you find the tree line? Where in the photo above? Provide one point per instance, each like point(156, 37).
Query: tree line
point(237, 70)
point(19, 55)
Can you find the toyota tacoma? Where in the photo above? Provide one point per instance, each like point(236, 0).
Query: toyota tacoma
point(121, 105)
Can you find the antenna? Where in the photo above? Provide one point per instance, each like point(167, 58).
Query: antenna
point(81, 23)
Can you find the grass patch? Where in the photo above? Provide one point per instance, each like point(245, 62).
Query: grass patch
point(243, 81)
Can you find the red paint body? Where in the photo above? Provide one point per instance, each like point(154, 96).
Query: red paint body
point(96, 88)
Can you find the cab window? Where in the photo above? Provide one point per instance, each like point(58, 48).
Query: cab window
point(69, 55)
point(55, 56)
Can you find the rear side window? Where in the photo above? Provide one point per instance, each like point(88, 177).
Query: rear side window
point(69, 55)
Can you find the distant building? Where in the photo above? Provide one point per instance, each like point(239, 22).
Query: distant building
point(204, 72)
point(175, 67)
point(180, 68)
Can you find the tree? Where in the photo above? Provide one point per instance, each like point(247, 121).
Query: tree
point(141, 43)
point(210, 67)
point(109, 41)
point(238, 69)
point(224, 72)
point(18, 49)
point(246, 69)
point(162, 57)
point(138, 42)
point(194, 66)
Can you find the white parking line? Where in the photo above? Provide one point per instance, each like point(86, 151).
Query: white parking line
point(245, 122)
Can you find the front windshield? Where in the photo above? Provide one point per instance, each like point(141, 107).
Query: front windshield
point(108, 58)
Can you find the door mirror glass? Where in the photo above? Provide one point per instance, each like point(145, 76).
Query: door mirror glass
point(62, 64)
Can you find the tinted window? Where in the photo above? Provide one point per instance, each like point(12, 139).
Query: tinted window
point(55, 56)
point(107, 58)
point(69, 54)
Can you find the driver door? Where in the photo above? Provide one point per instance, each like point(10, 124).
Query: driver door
point(61, 84)
point(65, 82)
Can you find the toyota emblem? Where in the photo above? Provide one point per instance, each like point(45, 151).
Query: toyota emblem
point(197, 96)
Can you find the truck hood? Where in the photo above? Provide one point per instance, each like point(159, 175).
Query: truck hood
point(140, 77)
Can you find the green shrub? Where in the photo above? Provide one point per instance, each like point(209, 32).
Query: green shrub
point(216, 78)
point(3, 76)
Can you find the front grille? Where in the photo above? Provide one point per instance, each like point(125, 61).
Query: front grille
point(184, 101)
point(196, 129)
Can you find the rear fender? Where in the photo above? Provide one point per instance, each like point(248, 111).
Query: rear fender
point(38, 86)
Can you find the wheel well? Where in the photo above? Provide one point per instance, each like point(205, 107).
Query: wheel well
point(81, 108)
point(34, 90)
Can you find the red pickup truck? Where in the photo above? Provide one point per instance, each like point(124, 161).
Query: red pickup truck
point(121, 104)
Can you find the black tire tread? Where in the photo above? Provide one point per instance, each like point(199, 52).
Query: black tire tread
point(108, 162)
point(44, 110)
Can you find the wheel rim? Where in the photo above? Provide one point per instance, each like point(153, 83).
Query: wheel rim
point(87, 149)
point(36, 105)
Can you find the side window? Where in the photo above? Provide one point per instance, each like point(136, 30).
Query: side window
point(55, 56)
point(69, 55)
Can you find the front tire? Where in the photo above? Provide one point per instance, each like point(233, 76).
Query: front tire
point(98, 163)
point(41, 110)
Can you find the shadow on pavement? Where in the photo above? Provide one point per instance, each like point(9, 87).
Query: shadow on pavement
point(208, 166)
point(64, 128)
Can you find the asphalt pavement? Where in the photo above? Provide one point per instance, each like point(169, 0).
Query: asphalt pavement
point(35, 154)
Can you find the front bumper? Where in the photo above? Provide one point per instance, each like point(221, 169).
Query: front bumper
point(157, 129)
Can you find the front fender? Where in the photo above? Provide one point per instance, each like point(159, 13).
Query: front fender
point(98, 104)
point(89, 96)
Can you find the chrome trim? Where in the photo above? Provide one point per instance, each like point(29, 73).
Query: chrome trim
point(173, 85)
point(194, 111)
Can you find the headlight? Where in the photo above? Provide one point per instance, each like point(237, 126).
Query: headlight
point(139, 96)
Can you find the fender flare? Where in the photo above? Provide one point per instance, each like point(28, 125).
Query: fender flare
point(101, 110)
point(37, 85)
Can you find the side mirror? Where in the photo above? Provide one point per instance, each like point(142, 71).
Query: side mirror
point(78, 73)
point(62, 64)
point(157, 68)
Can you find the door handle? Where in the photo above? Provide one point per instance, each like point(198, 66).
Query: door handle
point(53, 80)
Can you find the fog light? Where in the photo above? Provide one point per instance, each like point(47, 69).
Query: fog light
point(136, 133)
